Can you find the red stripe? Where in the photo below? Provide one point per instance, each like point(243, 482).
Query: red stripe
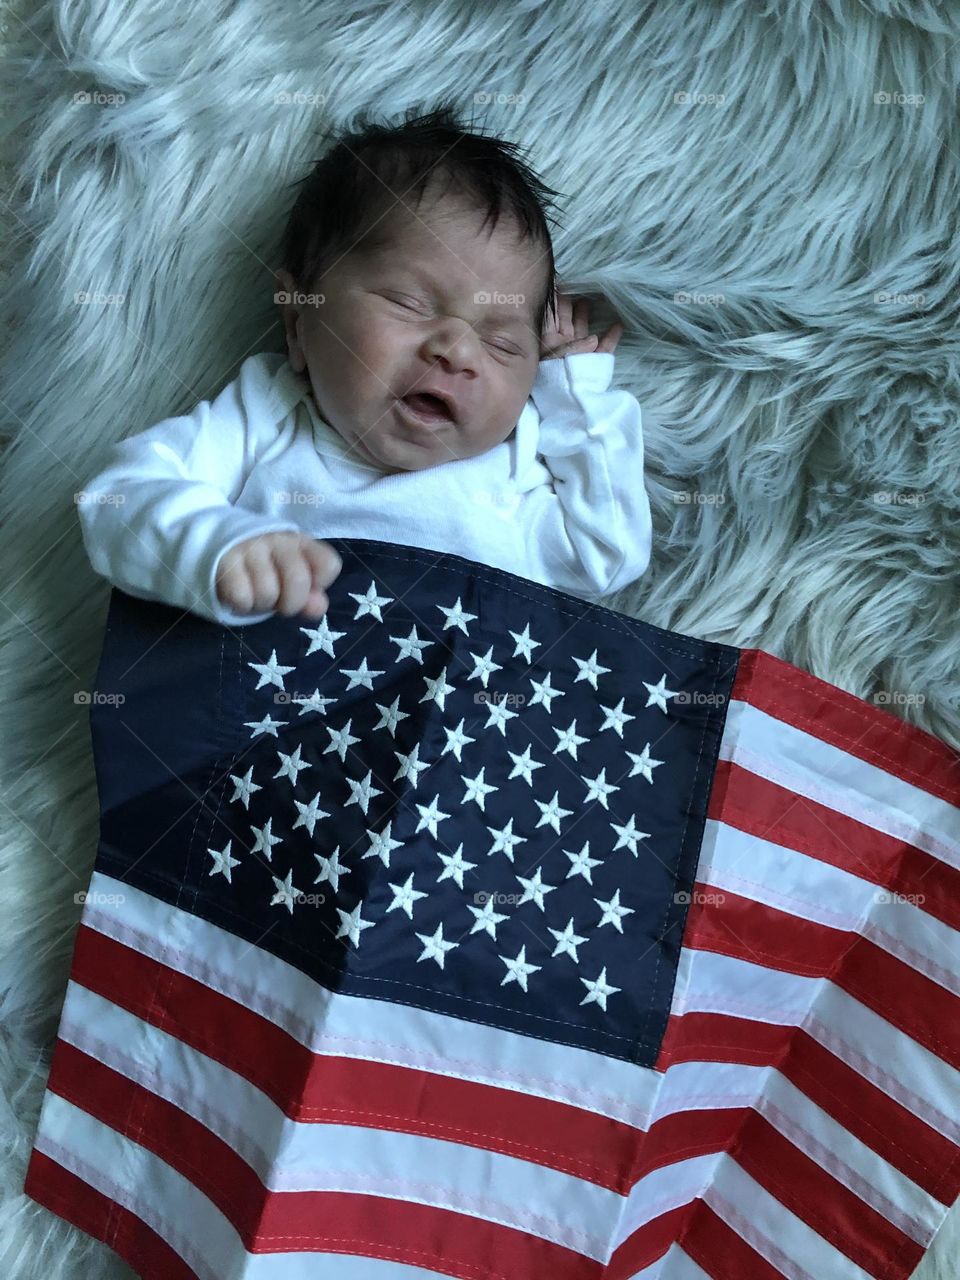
point(298, 1221)
point(77, 1202)
point(901, 1138)
point(723, 1255)
point(644, 1246)
point(860, 728)
point(770, 812)
point(752, 931)
point(312, 1087)
point(821, 1200)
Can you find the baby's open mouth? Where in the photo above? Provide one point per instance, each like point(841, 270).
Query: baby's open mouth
point(428, 407)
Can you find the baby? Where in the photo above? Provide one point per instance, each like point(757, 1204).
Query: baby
point(438, 391)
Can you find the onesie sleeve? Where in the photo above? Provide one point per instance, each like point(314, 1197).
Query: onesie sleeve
point(591, 442)
point(157, 518)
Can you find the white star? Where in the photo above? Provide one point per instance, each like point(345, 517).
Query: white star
point(456, 617)
point(292, 764)
point(404, 896)
point(361, 792)
point(369, 602)
point(454, 865)
point(484, 667)
point(359, 675)
point(266, 725)
point(390, 717)
point(599, 788)
point(321, 637)
point(518, 970)
point(456, 740)
point(487, 918)
point(581, 864)
point(412, 646)
point(545, 693)
point(244, 788)
point(265, 839)
point(643, 763)
point(316, 702)
point(568, 740)
point(613, 913)
point(477, 789)
point(616, 718)
point(410, 766)
point(598, 990)
point(270, 672)
point(525, 645)
point(382, 844)
point(523, 766)
point(437, 689)
point(498, 714)
point(222, 862)
point(589, 669)
point(567, 941)
point(659, 693)
point(351, 926)
point(534, 889)
point(552, 813)
point(286, 892)
point(629, 835)
point(331, 869)
point(434, 947)
point(430, 815)
point(340, 740)
point(504, 840)
point(310, 814)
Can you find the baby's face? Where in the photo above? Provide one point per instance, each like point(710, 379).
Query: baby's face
point(441, 306)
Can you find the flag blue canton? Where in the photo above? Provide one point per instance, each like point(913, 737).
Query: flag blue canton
point(458, 790)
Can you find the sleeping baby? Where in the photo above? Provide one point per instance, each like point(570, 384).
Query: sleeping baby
point(438, 391)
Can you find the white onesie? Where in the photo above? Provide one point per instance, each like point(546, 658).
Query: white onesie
point(561, 501)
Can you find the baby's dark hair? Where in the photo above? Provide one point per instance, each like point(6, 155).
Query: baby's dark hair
point(343, 199)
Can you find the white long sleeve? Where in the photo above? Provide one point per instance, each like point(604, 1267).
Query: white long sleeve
point(158, 517)
point(591, 442)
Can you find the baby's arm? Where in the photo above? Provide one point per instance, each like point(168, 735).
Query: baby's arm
point(158, 517)
point(591, 441)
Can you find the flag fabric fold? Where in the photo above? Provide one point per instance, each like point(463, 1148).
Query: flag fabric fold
point(475, 930)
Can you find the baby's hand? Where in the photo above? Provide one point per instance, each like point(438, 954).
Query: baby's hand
point(282, 571)
point(571, 334)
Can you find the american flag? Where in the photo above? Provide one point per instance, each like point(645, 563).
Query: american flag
point(476, 930)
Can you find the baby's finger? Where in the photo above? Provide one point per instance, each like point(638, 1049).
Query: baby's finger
point(324, 560)
point(610, 339)
point(295, 578)
point(263, 574)
point(581, 318)
point(234, 588)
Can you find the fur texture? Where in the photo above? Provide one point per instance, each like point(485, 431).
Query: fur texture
point(782, 246)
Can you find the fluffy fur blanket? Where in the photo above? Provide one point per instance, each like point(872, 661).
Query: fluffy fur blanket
point(768, 196)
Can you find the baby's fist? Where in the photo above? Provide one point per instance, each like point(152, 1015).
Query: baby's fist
point(286, 572)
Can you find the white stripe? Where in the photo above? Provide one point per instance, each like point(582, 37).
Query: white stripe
point(806, 765)
point(792, 881)
point(322, 1156)
point(405, 1035)
point(776, 1233)
point(163, 1198)
point(673, 1265)
point(924, 1083)
point(662, 1191)
point(813, 1131)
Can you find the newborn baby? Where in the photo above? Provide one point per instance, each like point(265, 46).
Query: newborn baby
point(438, 391)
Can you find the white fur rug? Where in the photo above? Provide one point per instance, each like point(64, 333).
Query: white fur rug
point(767, 193)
